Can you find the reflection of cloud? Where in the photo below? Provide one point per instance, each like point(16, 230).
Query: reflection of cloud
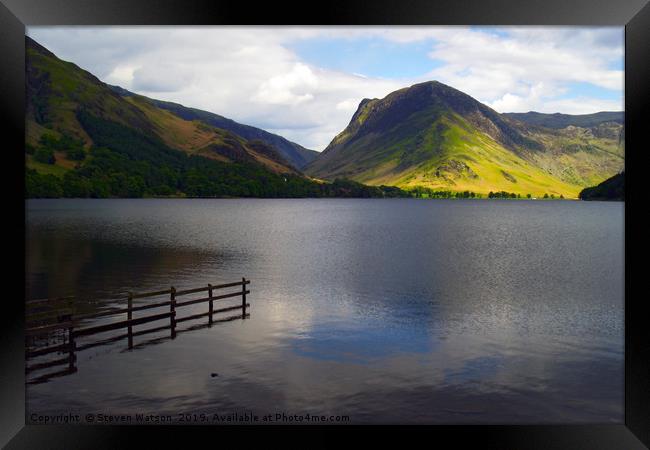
point(361, 344)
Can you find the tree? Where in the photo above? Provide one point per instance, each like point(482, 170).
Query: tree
point(44, 155)
point(48, 141)
point(75, 154)
point(42, 186)
point(75, 186)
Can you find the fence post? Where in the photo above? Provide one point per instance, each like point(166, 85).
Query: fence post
point(211, 307)
point(72, 348)
point(129, 316)
point(243, 297)
point(172, 310)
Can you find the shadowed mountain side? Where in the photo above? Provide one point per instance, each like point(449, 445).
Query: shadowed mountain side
point(558, 120)
point(611, 189)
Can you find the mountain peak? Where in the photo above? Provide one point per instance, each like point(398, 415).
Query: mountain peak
point(430, 100)
point(431, 134)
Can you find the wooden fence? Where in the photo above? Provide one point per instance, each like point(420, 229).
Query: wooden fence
point(57, 319)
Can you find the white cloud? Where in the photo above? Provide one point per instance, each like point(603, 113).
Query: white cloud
point(291, 88)
point(527, 69)
point(250, 74)
point(121, 76)
point(349, 104)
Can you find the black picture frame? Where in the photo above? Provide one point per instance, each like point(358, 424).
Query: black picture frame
point(633, 14)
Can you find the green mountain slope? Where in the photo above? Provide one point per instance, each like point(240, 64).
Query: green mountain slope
point(58, 90)
point(295, 154)
point(435, 136)
point(84, 139)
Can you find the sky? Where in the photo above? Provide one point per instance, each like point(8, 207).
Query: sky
point(305, 83)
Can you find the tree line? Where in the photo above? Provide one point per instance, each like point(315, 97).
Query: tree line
point(128, 163)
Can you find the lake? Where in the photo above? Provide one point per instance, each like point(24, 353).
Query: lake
point(382, 310)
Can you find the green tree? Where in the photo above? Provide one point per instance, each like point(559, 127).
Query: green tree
point(42, 186)
point(75, 186)
point(44, 155)
point(48, 141)
point(75, 154)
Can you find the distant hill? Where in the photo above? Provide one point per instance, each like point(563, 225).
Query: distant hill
point(611, 189)
point(294, 153)
point(435, 136)
point(558, 120)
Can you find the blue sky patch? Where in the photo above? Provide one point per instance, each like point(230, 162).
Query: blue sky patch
point(372, 57)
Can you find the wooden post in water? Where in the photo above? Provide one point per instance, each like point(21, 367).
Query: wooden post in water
point(172, 310)
point(243, 298)
point(211, 307)
point(71, 336)
point(71, 350)
point(129, 316)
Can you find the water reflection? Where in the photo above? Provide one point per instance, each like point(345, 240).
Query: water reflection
point(389, 311)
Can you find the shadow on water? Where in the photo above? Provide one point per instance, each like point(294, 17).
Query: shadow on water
point(58, 265)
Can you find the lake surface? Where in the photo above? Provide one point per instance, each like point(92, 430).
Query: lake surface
point(384, 310)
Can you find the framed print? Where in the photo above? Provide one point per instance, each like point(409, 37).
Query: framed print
point(336, 218)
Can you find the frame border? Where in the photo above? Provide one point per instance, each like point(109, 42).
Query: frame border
point(633, 14)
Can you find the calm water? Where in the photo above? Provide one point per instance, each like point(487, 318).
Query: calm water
point(388, 311)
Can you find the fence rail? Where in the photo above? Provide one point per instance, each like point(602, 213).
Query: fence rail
point(45, 316)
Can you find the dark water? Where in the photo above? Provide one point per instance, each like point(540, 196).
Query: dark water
point(387, 311)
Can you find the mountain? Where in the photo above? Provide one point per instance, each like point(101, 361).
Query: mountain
point(85, 138)
point(295, 154)
point(611, 189)
point(558, 120)
point(58, 90)
point(435, 136)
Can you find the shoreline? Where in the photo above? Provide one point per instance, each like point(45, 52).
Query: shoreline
point(318, 198)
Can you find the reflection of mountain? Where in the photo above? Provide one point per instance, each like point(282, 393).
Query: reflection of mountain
point(93, 269)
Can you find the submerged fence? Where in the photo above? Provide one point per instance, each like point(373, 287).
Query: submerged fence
point(57, 319)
